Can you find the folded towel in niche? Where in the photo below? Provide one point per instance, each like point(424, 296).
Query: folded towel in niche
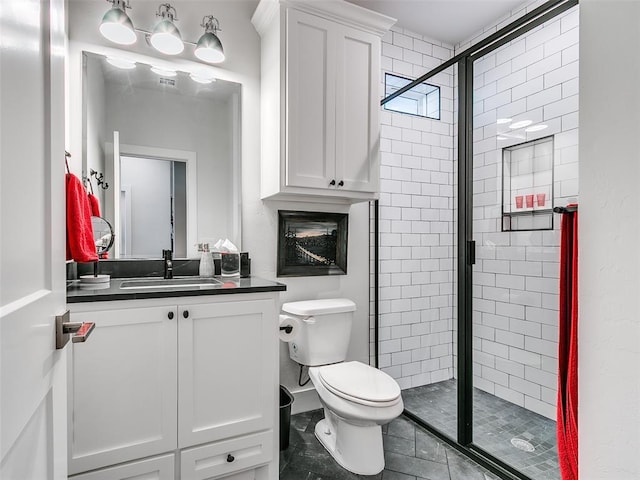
point(80, 243)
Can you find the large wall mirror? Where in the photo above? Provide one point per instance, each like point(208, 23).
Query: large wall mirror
point(168, 146)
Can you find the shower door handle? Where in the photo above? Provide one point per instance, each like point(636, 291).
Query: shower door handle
point(471, 252)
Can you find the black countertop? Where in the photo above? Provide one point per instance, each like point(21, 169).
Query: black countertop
point(231, 285)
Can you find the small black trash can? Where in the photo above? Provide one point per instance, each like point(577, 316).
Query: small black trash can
point(286, 399)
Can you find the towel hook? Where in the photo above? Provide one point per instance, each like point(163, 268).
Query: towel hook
point(99, 179)
point(67, 155)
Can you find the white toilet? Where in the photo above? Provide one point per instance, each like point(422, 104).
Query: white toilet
point(357, 399)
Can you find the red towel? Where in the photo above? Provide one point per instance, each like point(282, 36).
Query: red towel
point(80, 244)
point(567, 421)
point(95, 205)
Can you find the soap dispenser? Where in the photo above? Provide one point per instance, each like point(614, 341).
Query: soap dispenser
point(206, 262)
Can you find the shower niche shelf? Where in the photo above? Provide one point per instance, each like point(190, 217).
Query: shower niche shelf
point(527, 186)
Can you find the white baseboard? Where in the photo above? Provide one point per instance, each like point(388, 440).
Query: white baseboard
point(305, 399)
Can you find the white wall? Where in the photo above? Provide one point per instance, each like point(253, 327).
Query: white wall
point(259, 219)
point(416, 221)
point(609, 228)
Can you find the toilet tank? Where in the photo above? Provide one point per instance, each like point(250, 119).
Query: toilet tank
point(325, 329)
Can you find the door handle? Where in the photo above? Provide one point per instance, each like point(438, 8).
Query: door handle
point(64, 329)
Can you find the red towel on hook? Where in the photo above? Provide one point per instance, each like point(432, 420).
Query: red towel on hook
point(567, 420)
point(95, 205)
point(81, 246)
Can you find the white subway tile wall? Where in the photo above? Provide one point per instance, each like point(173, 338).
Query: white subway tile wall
point(416, 222)
point(515, 302)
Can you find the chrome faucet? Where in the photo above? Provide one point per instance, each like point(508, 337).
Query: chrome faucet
point(168, 263)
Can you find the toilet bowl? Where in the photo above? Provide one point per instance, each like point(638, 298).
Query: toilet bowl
point(357, 398)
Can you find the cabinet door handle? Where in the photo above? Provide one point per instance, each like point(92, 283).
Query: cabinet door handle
point(332, 182)
point(341, 183)
point(230, 458)
point(170, 315)
point(185, 314)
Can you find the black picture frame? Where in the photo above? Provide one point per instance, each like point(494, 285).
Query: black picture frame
point(323, 250)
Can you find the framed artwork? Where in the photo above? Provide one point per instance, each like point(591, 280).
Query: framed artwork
point(312, 243)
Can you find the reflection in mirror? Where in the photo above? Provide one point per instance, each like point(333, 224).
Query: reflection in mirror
point(103, 236)
point(153, 206)
point(169, 146)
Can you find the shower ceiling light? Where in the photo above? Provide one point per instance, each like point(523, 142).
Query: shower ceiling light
point(163, 72)
point(201, 78)
point(520, 124)
point(121, 63)
point(209, 48)
point(536, 128)
point(116, 24)
point(117, 27)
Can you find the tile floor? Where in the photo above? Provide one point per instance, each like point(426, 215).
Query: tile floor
point(496, 423)
point(410, 454)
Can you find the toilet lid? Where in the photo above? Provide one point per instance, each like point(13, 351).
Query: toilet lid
point(355, 380)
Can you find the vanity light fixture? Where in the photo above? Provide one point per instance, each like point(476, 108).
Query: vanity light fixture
point(117, 27)
point(166, 37)
point(520, 124)
point(503, 121)
point(116, 24)
point(121, 63)
point(209, 48)
point(536, 128)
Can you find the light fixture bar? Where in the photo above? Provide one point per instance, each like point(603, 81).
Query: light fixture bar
point(117, 27)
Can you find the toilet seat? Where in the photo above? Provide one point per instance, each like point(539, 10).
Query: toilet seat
point(360, 383)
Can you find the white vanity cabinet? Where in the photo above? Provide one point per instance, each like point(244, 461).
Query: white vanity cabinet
point(320, 99)
point(176, 388)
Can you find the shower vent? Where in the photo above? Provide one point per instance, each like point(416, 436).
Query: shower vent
point(167, 81)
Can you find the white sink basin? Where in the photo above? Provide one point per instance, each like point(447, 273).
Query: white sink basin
point(192, 282)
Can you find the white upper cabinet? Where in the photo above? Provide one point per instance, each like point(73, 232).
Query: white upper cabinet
point(320, 99)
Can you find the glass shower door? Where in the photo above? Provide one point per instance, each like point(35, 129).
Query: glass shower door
point(418, 207)
point(525, 109)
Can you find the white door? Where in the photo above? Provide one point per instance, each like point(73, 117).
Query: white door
point(33, 408)
point(357, 100)
point(126, 407)
point(150, 202)
point(311, 101)
point(226, 376)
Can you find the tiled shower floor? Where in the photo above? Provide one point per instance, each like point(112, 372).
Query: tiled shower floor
point(496, 422)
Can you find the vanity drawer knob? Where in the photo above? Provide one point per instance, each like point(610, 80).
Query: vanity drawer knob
point(185, 314)
point(170, 315)
point(332, 182)
point(230, 458)
point(341, 183)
